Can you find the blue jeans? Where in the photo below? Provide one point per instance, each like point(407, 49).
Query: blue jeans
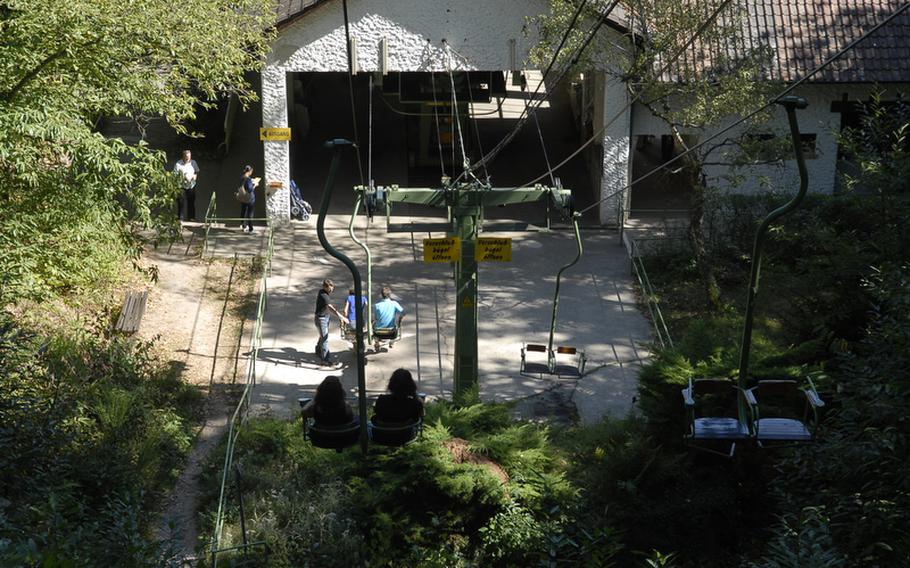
point(322, 346)
point(246, 213)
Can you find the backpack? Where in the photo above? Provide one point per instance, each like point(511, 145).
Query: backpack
point(242, 195)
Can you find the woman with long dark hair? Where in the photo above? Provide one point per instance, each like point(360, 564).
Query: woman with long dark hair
point(401, 405)
point(328, 407)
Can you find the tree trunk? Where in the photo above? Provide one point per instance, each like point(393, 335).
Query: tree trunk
point(693, 169)
point(696, 232)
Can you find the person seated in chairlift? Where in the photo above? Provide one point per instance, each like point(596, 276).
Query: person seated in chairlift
point(328, 408)
point(350, 308)
point(387, 313)
point(401, 405)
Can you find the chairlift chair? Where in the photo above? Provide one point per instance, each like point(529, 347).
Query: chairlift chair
point(385, 434)
point(329, 437)
point(564, 361)
point(394, 434)
point(723, 427)
point(777, 418)
point(569, 362)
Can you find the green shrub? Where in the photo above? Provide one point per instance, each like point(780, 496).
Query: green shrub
point(92, 429)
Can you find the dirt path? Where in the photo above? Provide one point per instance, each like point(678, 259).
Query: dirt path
point(196, 311)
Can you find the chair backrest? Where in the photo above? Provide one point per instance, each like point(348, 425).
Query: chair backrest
point(536, 347)
point(780, 397)
point(334, 438)
point(715, 397)
point(712, 386)
point(393, 435)
point(566, 350)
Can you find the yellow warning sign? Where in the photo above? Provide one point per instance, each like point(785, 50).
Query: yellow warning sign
point(493, 250)
point(468, 302)
point(442, 250)
point(275, 134)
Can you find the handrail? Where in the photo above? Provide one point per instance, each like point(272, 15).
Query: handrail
point(647, 290)
point(240, 413)
point(209, 214)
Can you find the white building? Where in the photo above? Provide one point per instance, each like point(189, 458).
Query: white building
point(408, 48)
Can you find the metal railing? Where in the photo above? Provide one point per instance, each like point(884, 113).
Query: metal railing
point(647, 290)
point(211, 218)
point(242, 410)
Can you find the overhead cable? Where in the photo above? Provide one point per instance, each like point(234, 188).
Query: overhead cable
point(575, 58)
point(347, 35)
point(749, 116)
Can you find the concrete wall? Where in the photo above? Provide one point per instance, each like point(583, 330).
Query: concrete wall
point(477, 37)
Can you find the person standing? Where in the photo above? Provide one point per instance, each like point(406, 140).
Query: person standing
point(323, 310)
point(248, 183)
point(188, 170)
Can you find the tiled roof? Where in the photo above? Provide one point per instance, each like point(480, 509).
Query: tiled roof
point(804, 33)
point(801, 33)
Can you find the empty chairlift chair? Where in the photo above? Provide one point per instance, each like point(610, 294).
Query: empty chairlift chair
point(564, 362)
point(712, 415)
point(784, 413)
point(331, 438)
point(534, 360)
point(570, 362)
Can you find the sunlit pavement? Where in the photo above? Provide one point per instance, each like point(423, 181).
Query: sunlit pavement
point(597, 313)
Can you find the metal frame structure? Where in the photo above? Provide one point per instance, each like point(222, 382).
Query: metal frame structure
point(465, 204)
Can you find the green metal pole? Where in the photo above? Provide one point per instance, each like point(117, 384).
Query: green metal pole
point(337, 145)
point(366, 249)
point(466, 219)
point(790, 103)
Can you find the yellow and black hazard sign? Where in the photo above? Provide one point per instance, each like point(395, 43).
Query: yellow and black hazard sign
point(467, 302)
point(442, 250)
point(274, 134)
point(493, 250)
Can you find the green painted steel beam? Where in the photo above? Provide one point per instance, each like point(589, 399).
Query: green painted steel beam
point(465, 204)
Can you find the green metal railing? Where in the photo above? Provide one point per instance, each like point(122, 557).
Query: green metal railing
point(211, 217)
point(651, 300)
point(242, 410)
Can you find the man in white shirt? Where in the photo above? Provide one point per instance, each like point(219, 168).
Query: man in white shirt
point(188, 170)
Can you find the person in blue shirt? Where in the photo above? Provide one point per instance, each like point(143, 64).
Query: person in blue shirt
point(350, 305)
point(387, 313)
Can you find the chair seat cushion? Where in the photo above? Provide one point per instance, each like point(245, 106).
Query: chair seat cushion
point(783, 429)
point(719, 428)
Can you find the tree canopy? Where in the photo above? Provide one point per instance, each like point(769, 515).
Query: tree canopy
point(67, 190)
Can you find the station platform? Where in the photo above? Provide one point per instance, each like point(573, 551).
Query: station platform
point(597, 313)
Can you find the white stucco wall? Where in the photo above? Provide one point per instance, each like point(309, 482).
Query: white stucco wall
point(477, 37)
point(817, 119)
point(616, 142)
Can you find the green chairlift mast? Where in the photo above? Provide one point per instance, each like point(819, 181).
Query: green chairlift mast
point(465, 203)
